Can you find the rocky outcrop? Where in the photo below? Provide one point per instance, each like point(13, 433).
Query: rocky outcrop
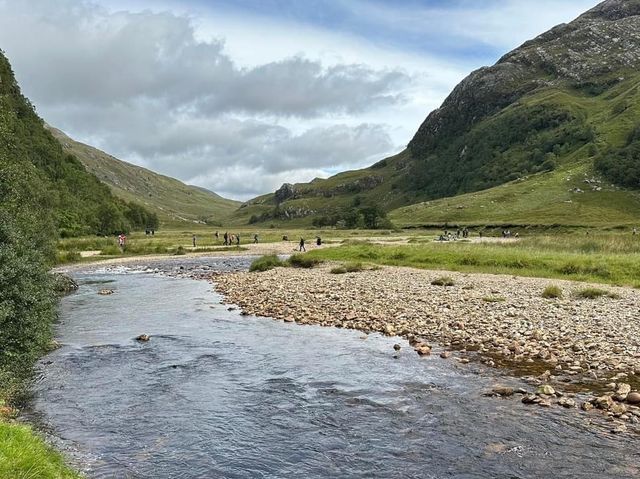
point(286, 192)
point(606, 39)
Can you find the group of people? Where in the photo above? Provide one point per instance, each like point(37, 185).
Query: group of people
point(449, 236)
point(230, 239)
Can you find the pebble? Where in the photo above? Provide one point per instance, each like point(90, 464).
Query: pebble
point(402, 302)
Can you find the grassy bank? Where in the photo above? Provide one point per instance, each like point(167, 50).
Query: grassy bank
point(23, 455)
point(603, 258)
point(177, 241)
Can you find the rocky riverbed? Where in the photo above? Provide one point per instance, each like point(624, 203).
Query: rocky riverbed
point(577, 345)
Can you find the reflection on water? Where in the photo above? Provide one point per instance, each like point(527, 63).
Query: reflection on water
point(216, 394)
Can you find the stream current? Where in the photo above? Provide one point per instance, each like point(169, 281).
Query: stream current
point(215, 394)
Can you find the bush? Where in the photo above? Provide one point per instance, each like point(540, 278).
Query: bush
point(552, 292)
point(595, 293)
point(338, 270)
point(443, 281)
point(301, 261)
point(265, 263)
point(180, 251)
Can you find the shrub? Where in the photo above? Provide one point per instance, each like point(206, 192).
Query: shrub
point(338, 270)
point(443, 281)
point(180, 251)
point(265, 263)
point(552, 292)
point(595, 293)
point(302, 261)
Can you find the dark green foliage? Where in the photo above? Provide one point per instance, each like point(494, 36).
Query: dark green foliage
point(369, 217)
point(43, 193)
point(520, 141)
point(622, 165)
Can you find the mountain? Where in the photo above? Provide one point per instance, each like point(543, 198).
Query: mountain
point(173, 201)
point(68, 199)
point(44, 193)
point(561, 107)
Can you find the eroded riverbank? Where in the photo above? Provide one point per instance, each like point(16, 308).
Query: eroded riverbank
point(578, 345)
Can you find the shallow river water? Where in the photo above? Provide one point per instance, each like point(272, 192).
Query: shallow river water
point(215, 394)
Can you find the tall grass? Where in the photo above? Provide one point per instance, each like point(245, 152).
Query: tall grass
point(24, 455)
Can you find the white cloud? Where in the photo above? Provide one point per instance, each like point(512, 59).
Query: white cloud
point(240, 103)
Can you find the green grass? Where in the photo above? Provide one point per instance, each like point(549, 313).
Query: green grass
point(443, 281)
point(266, 263)
point(353, 267)
point(552, 292)
point(303, 261)
point(595, 293)
point(493, 299)
point(615, 258)
point(24, 455)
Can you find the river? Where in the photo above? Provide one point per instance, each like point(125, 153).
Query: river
point(215, 394)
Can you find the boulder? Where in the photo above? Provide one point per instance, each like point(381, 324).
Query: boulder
point(503, 391)
point(546, 389)
point(633, 398)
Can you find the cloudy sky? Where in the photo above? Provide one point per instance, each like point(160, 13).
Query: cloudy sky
point(239, 96)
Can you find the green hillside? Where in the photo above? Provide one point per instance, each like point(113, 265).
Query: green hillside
point(44, 193)
point(588, 182)
point(561, 109)
point(174, 202)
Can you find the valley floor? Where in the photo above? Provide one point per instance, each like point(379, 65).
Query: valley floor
point(583, 344)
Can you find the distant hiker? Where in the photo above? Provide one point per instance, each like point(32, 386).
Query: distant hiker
point(147, 232)
point(319, 241)
point(302, 248)
point(238, 240)
point(255, 239)
point(153, 232)
point(217, 236)
point(122, 240)
point(232, 239)
point(194, 240)
point(226, 238)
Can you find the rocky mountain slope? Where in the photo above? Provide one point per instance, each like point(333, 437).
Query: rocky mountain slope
point(173, 201)
point(568, 98)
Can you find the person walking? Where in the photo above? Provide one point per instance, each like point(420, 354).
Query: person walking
point(217, 236)
point(193, 239)
point(302, 248)
point(238, 240)
point(255, 239)
point(226, 238)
